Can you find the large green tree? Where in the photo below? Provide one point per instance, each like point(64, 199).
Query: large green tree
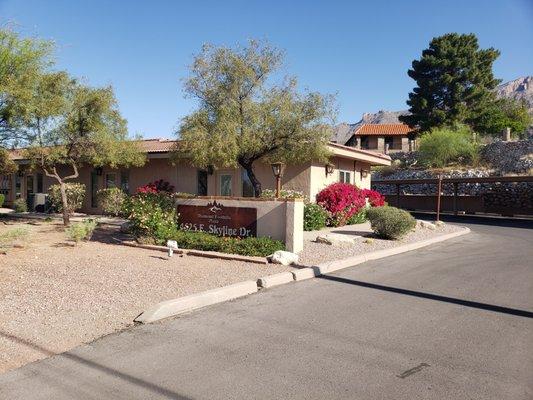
point(21, 63)
point(243, 118)
point(505, 113)
point(454, 83)
point(77, 125)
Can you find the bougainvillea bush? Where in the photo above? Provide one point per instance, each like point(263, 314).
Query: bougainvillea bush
point(341, 201)
point(151, 211)
point(375, 199)
point(346, 204)
point(156, 187)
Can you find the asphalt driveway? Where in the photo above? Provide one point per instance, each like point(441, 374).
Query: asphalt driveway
point(450, 321)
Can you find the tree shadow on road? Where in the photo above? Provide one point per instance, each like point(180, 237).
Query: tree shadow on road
point(156, 389)
point(430, 296)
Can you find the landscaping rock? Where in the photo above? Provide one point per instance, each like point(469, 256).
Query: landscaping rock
point(335, 239)
point(283, 257)
point(427, 225)
point(439, 224)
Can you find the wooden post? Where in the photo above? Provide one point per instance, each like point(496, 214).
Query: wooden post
point(455, 190)
point(439, 190)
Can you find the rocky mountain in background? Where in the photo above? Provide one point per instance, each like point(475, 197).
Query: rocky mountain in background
point(521, 88)
point(518, 89)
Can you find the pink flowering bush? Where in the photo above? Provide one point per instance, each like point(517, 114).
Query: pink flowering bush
point(375, 199)
point(156, 187)
point(341, 201)
point(346, 204)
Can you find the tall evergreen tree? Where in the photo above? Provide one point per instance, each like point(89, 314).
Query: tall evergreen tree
point(454, 83)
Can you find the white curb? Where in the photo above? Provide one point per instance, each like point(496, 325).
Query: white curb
point(275, 280)
point(188, 303)
point(305, 273)
point(180, 305)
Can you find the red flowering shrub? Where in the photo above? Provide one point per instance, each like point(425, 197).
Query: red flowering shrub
point(375, 199)
point(156, 187)
point(342, 201)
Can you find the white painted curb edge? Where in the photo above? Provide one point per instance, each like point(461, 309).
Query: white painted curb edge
point(184, 304)
point(192, 302)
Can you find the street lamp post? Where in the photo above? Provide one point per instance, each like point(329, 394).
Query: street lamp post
point(277, 170)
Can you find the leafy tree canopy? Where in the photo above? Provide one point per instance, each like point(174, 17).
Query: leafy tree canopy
point(505, 113)
point(242, 118)
point(454, 83)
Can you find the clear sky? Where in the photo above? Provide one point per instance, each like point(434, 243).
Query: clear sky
point(360, 50)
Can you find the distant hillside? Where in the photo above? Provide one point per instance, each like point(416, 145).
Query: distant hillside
point(521, 88)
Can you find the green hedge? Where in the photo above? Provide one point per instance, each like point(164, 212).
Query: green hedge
point(315, 217)
point(2, 199)
point(390, 222)
point(260, 247)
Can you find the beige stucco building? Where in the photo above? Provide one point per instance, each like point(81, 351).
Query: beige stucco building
point(347, 164)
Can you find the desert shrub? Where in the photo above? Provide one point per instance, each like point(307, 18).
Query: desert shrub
point(8, 238)
point(341, 201)
point(156, 187)
point(2, 199)
point(390, 222)
point(111, 200)
point(443, 146)
point(283, 194)
point(75, 195)
point(20, 206)
point(251, 246)
point(315, 217)
point(358, 218)
point(78, 231)
point(152, 214)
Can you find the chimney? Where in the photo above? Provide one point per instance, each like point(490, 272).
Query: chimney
point(506, 134)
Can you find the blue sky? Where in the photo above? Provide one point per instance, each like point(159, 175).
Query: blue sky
point(360, 50)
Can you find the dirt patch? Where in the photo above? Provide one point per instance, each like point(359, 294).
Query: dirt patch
point(54, 295)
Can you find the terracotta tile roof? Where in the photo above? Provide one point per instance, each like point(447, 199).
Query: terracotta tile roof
point(147, 146)
point(157, 145)
point(383, 129)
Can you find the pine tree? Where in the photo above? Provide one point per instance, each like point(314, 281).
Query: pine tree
point(454, 81)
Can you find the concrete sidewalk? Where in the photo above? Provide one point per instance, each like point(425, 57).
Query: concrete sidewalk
point(450, 321)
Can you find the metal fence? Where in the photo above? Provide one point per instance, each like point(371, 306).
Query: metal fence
point(504, 195)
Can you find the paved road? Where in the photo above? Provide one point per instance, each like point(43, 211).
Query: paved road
point(452, 321)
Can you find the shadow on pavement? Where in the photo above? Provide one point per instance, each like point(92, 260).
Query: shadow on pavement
point(430, 296)
point(99, 367)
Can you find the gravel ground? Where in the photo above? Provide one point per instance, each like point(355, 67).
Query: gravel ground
point(54, 296)
point(315, 253)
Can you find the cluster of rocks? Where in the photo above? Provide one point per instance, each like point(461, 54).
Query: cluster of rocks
point(509, 157)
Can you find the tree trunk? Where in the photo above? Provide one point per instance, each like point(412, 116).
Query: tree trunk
point(66, 216)
point(249, 168)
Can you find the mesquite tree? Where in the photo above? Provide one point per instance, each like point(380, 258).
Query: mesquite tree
point(81, 127)
point(242, 117)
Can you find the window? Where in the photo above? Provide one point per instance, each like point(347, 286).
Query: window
point(110, 180)
point(125, 181)
point(247, 187)
point(94, 189)
point(365, 142)
point(225, 185)
point(345, 176)
point(201, 185)
point(18, 187)
point(39, 183)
